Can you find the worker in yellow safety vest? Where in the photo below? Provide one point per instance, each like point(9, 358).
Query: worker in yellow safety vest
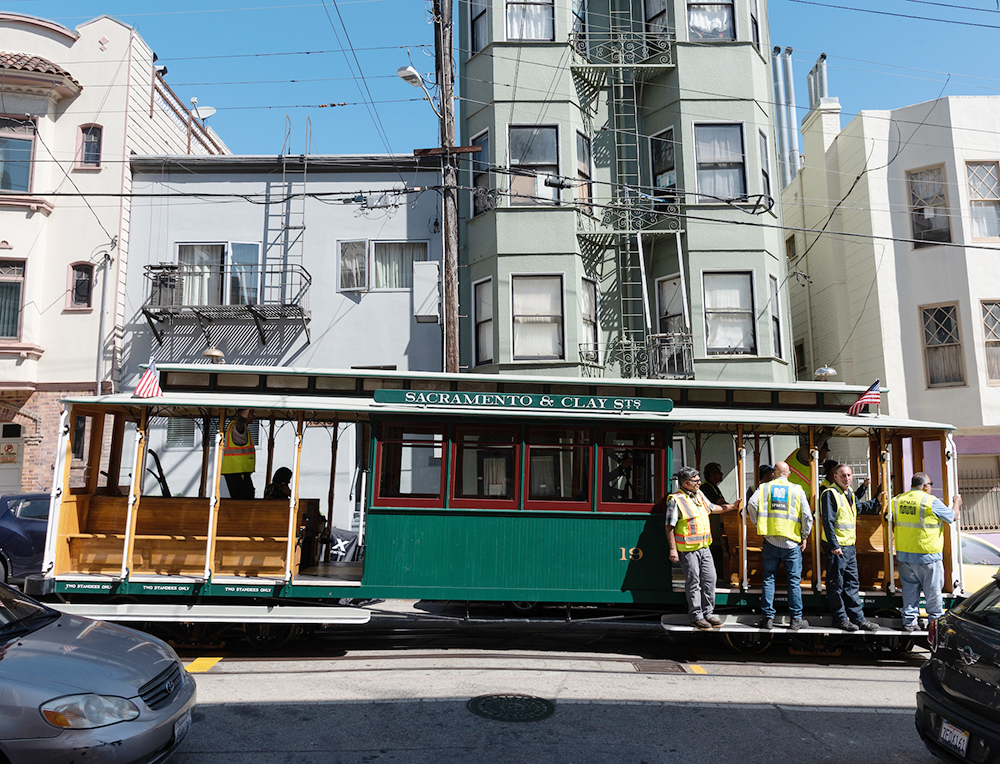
point(239, 456)
point(780, 510)
point(918, 520)
point(800, 466)
point(839, 510)
point(689, 536)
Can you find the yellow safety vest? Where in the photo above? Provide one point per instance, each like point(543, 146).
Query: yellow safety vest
point(238, 459)
point(916, 528)
point(801, 474)
point(778, 510)
point(846, 522)
point(692, 530)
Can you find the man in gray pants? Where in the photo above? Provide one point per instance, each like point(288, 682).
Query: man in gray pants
point(690, 537)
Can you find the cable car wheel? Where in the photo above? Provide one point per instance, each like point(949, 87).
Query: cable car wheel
point(269, 636)
point(749, 642)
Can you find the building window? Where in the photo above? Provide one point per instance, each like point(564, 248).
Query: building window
point(984, 199)
point(661, 152)
point(480, 24)
point(533, 20)
point(81, 286)
point(670, 306)
point(588, 310)
point(928, 207)
point(11, 298)
point(180, 433)
point(481, 201)
point(219, 274)
point(991, 336)
point(729, 314)
point(90, 146)
point(353, 265)
point(755, 25)
point(790, 252)
point(775, 318)
point(765, 166)
point(579, 17)
point(942, 346)
point(656, 16)
point(711, 21)
point(16, 139)
point(534, 156)
point(801, 369)
point(584, 180)
point(537, 317)
point(484, 322)
point(394, 263)
point(719, 154)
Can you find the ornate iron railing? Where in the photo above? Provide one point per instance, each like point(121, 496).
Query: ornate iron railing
point(205, 287)
point(671, 356)
point(625, 48)
point(662, 356)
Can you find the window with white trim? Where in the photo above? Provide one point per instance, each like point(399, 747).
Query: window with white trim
point(484, 322)
point(991, 337)
point(534, 156)
point(729, 314)
point(537, 316)
point(984, 199)
point(942, 346)
point(481, 201)
point(710, 21)
point(393, 261)
point(775, 317)
point(353, 266)
point(579, 8)
point(928, 206)
point(661, 153)
point(226, 273)
point(755, 25)
point(720, 162)
point(480, 24)
point(81, 287)
point(765, 166)
point(530, 20)
point(17, 137)
point(584, 181)
point(91, 137)
point(11, 298)
point(670, 306)
point(801, 369)
point(588, 310)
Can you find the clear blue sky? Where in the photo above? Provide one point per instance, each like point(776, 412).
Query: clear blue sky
point(875, 61)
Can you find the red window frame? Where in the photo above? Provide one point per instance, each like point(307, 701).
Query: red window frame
point(660, 461)
point(408, 501)
point(465, 502)
point(558, 505)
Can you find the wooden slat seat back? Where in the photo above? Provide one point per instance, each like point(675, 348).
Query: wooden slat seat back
point(91, 534)
point(252, 537)
point(870, 546)
point(755, 571)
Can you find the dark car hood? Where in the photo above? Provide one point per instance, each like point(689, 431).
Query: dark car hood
point(74, 655)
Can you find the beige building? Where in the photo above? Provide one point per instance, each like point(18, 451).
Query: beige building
point(904, 284)
point(76, 104)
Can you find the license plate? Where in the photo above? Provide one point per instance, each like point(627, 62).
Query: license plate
point(181, 726)
point(953, 737)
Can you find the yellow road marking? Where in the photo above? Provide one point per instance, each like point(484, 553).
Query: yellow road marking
point(695, 668)
point(201, 665)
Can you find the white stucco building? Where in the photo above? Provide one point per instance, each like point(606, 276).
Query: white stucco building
point(304, 261)
point(76, 104)
point(904, 285)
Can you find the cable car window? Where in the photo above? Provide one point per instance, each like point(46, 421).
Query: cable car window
point(559, 465)
point(410, 463)
point(630, 467)
point(484, 462)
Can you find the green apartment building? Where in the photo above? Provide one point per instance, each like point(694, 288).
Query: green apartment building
point(618, 220)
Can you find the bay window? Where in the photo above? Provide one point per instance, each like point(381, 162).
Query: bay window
point(710, 21)
point(531, 20)
point(928, 207)
point(480, 23)
point(720, 162)
point(984, 199)
point(991, 337)
point(729, 313)
point(661, 152)
point(16, 139)
point(537, 317)
point(584, 182)
point(484, 321)
point(942, 346)
point(534, 156)
point(481, 201)
point(588, 310)
point(11, 298)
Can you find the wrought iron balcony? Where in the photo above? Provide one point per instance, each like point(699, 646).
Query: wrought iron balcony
point(219, 292)
point(671, 356)
point(631, 48)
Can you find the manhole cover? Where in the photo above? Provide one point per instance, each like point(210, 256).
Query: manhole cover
point(658, 667)
point(512, 708)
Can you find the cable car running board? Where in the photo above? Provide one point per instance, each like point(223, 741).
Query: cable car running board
point(130, 611)
point(747, 624)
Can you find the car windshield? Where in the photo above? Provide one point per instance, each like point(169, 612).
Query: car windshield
point(19, 613)
point(975, 552)
point(983, 606)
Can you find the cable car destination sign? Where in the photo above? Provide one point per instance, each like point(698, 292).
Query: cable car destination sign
point(536, 401)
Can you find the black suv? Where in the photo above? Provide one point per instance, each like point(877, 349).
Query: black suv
point(23, 522)
point(958, 706)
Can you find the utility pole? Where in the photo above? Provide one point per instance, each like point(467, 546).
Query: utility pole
point(443, 27)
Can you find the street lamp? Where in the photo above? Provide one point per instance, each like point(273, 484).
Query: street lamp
point(411, 76)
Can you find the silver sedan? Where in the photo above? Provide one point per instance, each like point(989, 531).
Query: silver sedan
point(74, 689)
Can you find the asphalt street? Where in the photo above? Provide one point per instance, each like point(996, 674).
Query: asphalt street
point(385, 697)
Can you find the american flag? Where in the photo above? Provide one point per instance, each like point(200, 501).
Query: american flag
point(149, 384)
point(872, 395)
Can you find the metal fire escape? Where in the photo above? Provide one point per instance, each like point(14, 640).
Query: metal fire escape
point(617, 61)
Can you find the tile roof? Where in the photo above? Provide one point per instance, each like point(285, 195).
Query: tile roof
point(28, 63)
